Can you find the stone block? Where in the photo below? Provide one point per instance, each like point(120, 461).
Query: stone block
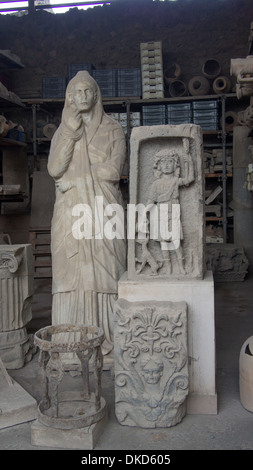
point(158, 256)
point(199, 297)
point(151, 363)
point(16, 405)
point(83, 438)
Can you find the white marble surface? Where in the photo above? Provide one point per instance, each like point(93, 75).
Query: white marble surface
point(199, 296)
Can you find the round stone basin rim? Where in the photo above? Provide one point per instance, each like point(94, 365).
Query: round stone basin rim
point(89, 336)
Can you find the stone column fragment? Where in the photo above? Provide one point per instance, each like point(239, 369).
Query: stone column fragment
point(16, 291)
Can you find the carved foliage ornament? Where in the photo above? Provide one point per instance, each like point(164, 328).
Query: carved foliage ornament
point(151, 364)
point(11, 259)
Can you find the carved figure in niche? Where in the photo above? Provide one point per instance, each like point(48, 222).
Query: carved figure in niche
point(165, 190)
point(86, 158)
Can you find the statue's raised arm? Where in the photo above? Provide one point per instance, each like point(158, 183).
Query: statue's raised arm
point(188, 165)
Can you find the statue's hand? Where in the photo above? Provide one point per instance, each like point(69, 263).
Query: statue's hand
point(186, 145)
point(64, 186)
point(186, 157)
point(73, 119)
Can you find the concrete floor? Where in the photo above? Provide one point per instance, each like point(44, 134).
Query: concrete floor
point(230, 429)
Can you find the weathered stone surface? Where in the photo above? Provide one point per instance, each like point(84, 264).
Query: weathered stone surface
point(70, 417)
point(151, 363)
point(227, 261)
point(61, 408)
point(86, 159)
point(83, 438)
point(16, 405)
point(199, 296)
point(151, 182)
point(16, 291)
point(242, 69)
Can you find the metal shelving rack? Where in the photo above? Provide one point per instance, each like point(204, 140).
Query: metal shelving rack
point(128, 104)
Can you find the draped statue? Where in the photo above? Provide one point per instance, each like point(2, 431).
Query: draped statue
point(86, 159)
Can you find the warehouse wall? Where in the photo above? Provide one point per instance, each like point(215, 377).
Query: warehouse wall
point(191, 31)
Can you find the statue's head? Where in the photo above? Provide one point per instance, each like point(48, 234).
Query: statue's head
point(152, 370)
point(167, 161)
point(83, 92)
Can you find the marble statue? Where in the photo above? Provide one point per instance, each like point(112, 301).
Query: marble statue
point(86, 158)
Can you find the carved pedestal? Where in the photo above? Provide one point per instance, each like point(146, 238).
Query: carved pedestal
point(151, 363)
point(199, 297)
point(17, 406)
point(70, 415)
point(16, 291)
point(165, 264)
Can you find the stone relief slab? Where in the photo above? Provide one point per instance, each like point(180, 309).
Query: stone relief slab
point(166, 174)
point(227, 261)
point(151, 363)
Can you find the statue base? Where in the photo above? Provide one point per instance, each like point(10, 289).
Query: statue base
point(199, 297)
point(82, 438)
point(17, 406)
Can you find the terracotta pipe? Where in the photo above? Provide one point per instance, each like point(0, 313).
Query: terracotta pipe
point(211, 69)
point(221, 84)
point(198, 86)
point(172, 72)
point(231, 120)
point(177, 88)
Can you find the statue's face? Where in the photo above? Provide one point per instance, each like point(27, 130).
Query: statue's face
point(83, 96)
point(152, 375)
point(167, 165)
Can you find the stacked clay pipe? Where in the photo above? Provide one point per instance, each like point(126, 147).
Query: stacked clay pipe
point(209, 81)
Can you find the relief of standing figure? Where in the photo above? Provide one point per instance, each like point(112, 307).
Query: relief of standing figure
point(166, 190)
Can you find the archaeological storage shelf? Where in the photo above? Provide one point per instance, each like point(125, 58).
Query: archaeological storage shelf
point(220, 137)
point(130, 111)
point(13, 162)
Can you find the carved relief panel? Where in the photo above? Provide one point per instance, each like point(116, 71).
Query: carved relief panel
point(151, 363)
point(166, 195)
